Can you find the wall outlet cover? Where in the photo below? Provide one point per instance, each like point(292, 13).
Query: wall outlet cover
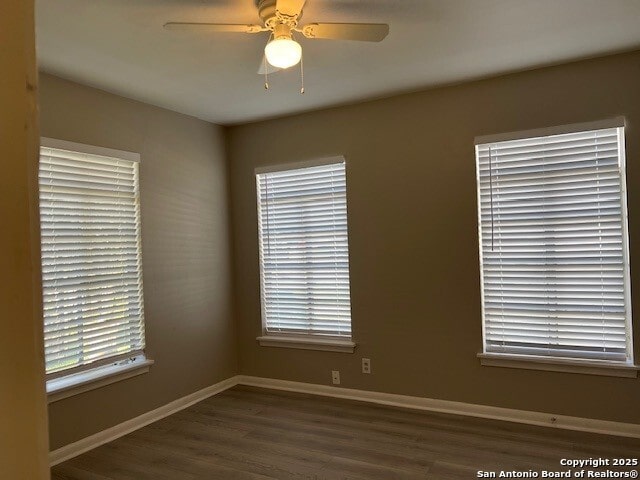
point(366, 365)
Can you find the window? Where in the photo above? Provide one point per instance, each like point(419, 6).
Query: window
point(91, 266)
point(304, 254)
point(553, 244)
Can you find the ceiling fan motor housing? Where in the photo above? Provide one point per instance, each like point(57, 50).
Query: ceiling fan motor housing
point(273, 20)
point(281, 30)
point(266, 9)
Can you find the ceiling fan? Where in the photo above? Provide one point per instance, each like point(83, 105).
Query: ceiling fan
point(280, 18)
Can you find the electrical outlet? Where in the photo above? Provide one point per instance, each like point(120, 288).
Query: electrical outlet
point(366, 365)
point(335, 377)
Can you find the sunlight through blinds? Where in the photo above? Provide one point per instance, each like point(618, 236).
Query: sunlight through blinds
point(304, 254)
point(91, 267)
point(554, 248)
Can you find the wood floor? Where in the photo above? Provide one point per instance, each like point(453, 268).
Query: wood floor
point(250, 433)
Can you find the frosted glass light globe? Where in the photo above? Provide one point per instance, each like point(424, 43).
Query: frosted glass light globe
point(283, 52)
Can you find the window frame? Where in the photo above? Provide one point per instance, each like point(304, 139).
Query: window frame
point(76, 380)
point(625, 368)
point(295, 340)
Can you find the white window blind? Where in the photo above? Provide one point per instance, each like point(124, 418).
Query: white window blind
point(304, 255)
point(91, 267)
point(554, 247)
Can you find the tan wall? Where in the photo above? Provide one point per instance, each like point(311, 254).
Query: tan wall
point(23, 414)
point(185, 250)
point(413, 234)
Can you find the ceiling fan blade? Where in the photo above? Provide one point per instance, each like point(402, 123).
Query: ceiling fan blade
point(213, 27)
point(364, 32)
point(290, 8)
point(269, 68)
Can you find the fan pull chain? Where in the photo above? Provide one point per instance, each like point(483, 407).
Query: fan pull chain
point(266, 67)
point(301, 74)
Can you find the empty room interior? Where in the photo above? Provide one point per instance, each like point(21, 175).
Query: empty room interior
point(319, 239)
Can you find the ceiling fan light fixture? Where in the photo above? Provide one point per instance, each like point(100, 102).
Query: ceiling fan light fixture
point(283, 52)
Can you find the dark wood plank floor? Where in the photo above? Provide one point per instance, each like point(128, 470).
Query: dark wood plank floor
point(250, 433)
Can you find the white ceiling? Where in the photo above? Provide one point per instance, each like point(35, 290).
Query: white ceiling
point(120, 46)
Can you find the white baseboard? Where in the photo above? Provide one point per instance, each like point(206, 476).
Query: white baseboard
point(416, 403)
point(117, 431)
point(457, 408)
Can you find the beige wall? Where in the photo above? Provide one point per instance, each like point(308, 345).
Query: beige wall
point(413, 234)
point(185, 250)
point(23, 414)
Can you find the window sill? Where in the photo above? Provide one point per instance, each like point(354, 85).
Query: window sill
point(77, 383)
point(587, 367)
point(306, 343)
